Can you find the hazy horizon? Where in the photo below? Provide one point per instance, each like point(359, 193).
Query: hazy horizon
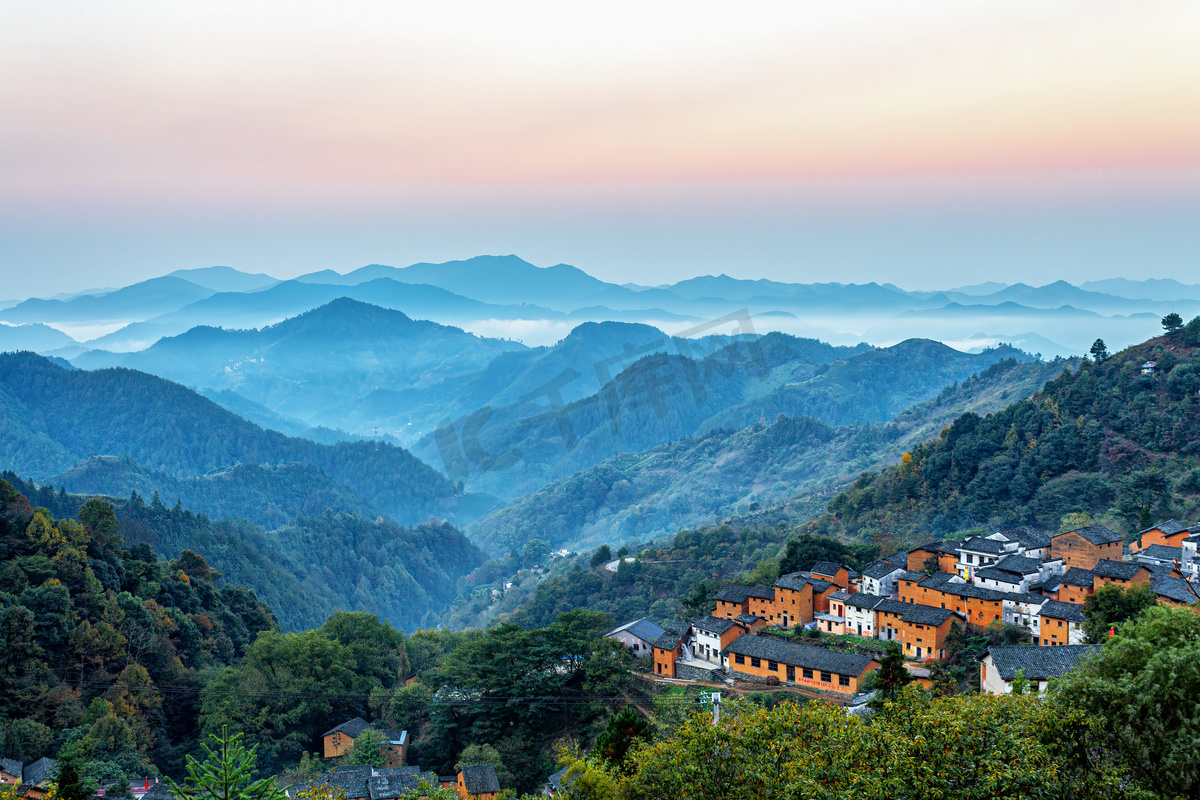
point(929, 145)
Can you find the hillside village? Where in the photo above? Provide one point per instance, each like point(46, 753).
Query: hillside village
point(1017, 577)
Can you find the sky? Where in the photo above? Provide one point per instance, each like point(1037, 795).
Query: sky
point(928, 143)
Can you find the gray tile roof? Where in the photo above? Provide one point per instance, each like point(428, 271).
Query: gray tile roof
point(842, 596)
point(937, 580)
point(1078, 576)
point(826, 568)
point(892, 606)
point(1000, 575)
point(804, 656)
point(1026, 597)
point(642, 628)
point(1169, 528)
point(793, 580)
point(912, 575)
point(733, 593)
point(881, 569)
point(555, 781)
point(747, 619)
point(395, 782)
point(158, 791)
point(1029, 538)
point(971, 590)
point(38, 771)
point(863, 600)
point(717, 625)
point(11, 767)
point(949, 548)
point(1124, 570)
point(898, 559)
point(1173, 589)
point(1039, 663)
point(1057, 609)
point(351, 727)
point(1019, 565)
point(1161, 552)
point(982, 544)
point(1096, 534)
point(819, 585)
point(927, 615)
point(670, 639)
point(480, 779)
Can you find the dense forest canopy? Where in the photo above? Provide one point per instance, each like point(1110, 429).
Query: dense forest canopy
point(1116, 439)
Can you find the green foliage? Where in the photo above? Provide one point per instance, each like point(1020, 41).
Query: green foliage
point(1112, 605)
point(1099, 351)
point(69, 784)
point(1103, 440)
point(484, 754)
point(105, 646)
point(1172, 323)
point(622, 730)
point(805, 551)
point(366, 749)
point(1142, 690)
point(961, 747)
point(891, 677)
point(303, 684)
point(305, 570)
point(227, 773)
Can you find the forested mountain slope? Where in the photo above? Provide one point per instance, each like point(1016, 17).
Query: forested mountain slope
point(1112, 439)
point(104, 644)
point(55, 418)
point(309, 568)
point(765, 466)
point(664, 397)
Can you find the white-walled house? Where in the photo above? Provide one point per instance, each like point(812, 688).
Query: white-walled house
point(1040, 665)
point(860, 614)
point(638, 636)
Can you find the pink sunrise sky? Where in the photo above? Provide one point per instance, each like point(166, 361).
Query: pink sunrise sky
point(640, 141)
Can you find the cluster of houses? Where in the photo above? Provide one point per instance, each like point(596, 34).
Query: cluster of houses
point(31, 780)
point(394, 779)
point(1017, 576)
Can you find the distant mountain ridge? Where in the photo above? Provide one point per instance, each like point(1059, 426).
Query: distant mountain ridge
point(55, 419)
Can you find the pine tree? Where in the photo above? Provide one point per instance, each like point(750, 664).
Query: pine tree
point(1099, 351)
point(226, 773)
point(70, 784)
point(1172, 322)
point(892, 677)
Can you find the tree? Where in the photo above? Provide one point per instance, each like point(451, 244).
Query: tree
point(602, 555)
point(70, 784)
point(484, 754)
point(226, 773)
point(891, 677)
point(1172, 322)
point(1142, 686)
point(366, 749)
point(1113, 605)
point(623, 729)
point(944, 684)
point(535, 552)
point(1099, 351)
point(1020, 685)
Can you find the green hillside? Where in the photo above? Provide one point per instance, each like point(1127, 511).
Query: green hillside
point(1111, 439)
point(309, 568)
point(55, 418)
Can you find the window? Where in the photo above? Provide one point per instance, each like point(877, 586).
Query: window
point(826, 677)
point(635, 647)
point(843, 680)
point(754, 662)
point(808, 674)
point(771, 665)
point(739, 659)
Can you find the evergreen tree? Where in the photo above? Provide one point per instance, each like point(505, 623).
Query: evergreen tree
point(226, 773)
point(70, 784)
point(1172, 322)
point(623, 728)
point(892, 677)
point(1099, 351)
